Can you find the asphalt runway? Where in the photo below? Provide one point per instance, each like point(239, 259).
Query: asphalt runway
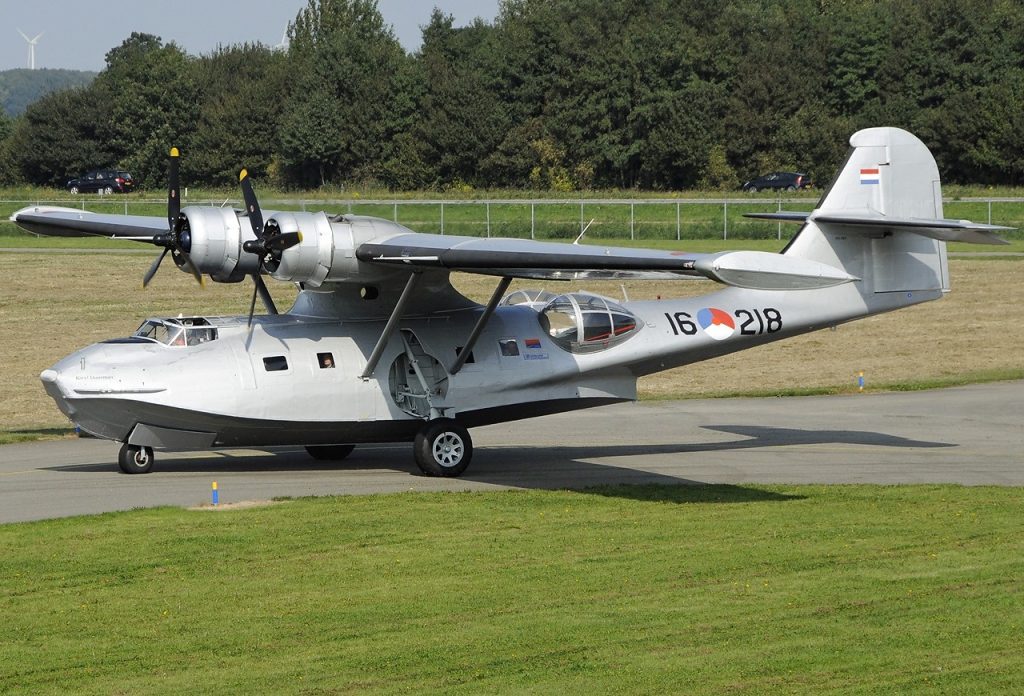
point(970, 435)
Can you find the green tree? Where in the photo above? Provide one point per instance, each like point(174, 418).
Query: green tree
point(152, 101)
point(343, 109)
point(241, 88)
point(461, 116)
point(58, 137)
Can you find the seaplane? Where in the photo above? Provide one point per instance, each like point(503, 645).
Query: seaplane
point(380, 347)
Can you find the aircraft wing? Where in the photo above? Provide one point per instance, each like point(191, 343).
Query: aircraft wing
point(523, 258)
point(54, 221)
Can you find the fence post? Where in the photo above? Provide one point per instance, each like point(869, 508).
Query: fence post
point(488, 219)
point(779, 209)
point(395, 204)
point(678, 231)
point(533, 220)
point(581, 216)
point(632, 217)
point(990, 212)
point(725, 219)
point(442, 218)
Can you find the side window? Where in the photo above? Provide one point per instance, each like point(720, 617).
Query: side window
point(275, 363)
point(326, 361)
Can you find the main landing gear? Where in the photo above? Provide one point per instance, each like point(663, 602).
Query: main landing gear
point(133, 459)
point(443, 448)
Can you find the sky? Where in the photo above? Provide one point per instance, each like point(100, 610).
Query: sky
point(77, 34)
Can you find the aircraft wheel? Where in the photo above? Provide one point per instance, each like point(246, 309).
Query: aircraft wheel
point(329, 452)
point(133, 459)
point(443, 448)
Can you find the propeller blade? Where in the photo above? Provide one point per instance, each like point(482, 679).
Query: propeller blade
point(252, 206)
point(173, 190)
point(252, 305)
point(187, 263)
point(264, 292)
point(280, 242)
point(152, 269)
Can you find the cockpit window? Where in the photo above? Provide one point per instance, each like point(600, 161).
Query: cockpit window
point(583, 323)
point(183, 331)
point(528, 297)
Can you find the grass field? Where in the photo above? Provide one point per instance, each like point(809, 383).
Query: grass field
point(718, 589)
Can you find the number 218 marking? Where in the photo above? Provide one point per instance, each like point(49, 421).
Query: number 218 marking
point(755, 323)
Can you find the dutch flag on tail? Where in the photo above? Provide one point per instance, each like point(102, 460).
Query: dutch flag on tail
point(869, 176)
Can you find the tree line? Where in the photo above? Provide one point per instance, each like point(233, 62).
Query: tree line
point(550, 95)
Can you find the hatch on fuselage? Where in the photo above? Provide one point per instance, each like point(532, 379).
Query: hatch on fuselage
point(418, 381)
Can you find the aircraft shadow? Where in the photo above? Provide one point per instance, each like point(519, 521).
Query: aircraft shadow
point(520, 462)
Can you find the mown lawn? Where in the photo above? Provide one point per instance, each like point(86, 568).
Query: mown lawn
point(857, 589)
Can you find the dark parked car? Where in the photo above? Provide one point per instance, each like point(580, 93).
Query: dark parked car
point(103, 181)
point(779, 181)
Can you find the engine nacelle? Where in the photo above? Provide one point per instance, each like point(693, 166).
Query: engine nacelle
point(326, 253)
point(213, 238)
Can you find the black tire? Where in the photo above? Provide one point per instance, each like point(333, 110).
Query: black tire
point(752, 189)
point(133, 459)
point(443, 448)
point(74, 189)
point(328, 453)
point(791, 188)
point(107, 191)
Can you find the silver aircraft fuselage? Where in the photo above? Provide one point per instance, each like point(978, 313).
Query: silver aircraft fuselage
point(268, 385)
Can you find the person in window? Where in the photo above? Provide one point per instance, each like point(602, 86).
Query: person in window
point(326, 361)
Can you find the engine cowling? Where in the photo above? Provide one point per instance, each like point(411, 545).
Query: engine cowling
point(326, 253)
point(213, 238)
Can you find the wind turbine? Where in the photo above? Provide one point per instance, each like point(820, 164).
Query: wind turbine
point(283, 46)
point(31, 48)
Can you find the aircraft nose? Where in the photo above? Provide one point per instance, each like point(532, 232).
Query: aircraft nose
point(49, 376)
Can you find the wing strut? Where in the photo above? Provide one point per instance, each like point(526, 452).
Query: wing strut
point(492, 304)
point(389, 328)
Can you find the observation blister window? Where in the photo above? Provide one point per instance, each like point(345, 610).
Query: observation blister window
point(583, 323)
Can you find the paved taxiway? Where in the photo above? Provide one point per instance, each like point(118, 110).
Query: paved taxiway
point(970, 435)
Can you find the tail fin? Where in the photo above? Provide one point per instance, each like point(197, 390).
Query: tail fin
point(881, 219)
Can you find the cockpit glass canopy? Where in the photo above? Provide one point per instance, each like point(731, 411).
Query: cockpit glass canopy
point(583, 323)
point(528, 297)
point(183, 331)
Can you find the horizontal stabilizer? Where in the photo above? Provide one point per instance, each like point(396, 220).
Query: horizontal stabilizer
point(867, 221)
point(780, 217)
point(760, 270)
point(944, 230)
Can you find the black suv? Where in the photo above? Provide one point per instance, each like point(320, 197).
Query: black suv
point(103, 181)
point(777, 181)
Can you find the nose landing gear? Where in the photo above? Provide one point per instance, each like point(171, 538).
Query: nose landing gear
point(133, 459)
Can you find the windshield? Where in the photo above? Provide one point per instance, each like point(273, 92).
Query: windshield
point(191, 331)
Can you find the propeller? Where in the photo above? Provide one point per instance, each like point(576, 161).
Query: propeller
point(177, 239)
point(268, 246)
